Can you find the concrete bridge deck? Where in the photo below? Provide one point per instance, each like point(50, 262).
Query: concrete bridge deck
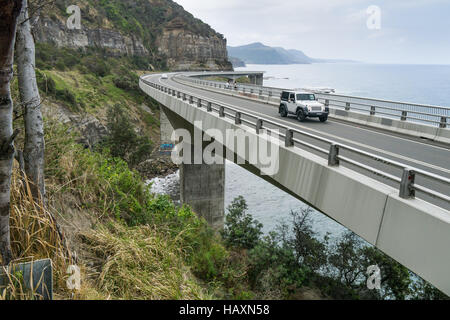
point(415, 232)
point(416, 152)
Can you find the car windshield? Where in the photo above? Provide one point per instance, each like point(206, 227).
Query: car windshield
point(303, 97)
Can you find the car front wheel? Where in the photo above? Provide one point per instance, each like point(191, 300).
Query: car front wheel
point(323, 119)
point(301, 115)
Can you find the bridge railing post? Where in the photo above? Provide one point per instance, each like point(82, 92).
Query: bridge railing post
point(259, 125)
point(443, 123)
point(347, 106)
point(404, 115)
point(270, 93)
point(327, 105)
point(209, 107)
point(184, 96)
point(407, 184)
point(372, 110)
point(178, 94)
point(237, 118)
point(199, 102)
point(333, 156)
point(289, 139)
point(191, 99)
point(222, 112)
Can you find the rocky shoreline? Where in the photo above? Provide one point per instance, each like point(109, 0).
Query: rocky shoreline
point(156, 167)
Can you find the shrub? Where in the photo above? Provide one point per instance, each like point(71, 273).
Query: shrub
point(123, 142)
point(96, 65)
point(273, 268)
point(126, 83)
point(209, 262)
point(241, 230)
point(310, 252)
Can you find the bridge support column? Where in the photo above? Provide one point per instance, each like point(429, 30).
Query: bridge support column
point(166, 128)
point(202, 186)
point(256, 79)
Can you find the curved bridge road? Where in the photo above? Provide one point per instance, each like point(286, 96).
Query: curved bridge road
point(414, 152)
point(415, 232)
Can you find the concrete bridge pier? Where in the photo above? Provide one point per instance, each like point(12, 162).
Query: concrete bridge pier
point(202, 186)
point(256, 79)
point(166, 130)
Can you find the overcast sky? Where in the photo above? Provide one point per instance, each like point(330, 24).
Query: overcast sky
point(411, 31)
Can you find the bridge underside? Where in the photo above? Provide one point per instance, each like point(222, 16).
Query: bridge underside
point(254, 78)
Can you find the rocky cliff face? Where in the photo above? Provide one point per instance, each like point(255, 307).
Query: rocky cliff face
point(159, 29)
point(55, 31)
point(188, 51)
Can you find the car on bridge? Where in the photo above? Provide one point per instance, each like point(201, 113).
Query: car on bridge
point(165, 76)
point(303, 105)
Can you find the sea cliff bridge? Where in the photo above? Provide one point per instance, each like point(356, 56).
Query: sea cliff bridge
point(380, 168)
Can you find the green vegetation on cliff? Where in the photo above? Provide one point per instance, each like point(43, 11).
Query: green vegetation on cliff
point(92, 83)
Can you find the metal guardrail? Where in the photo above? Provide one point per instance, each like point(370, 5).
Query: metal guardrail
point(403, 111)
point(407, 184)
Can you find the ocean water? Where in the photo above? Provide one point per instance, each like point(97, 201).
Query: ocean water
point(423, 84)
point(409, 83)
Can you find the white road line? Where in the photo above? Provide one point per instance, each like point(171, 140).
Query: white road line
point(333, 137)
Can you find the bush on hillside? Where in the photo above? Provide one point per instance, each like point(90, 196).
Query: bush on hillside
point(123, 142)
point(241, 230)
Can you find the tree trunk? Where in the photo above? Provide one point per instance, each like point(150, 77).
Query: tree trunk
point(9, 12)
point(33, 152)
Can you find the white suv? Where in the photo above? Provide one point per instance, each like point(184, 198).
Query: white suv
point(302, 105)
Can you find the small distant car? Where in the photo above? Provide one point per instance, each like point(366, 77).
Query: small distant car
point(303, 105)
point(165, 76)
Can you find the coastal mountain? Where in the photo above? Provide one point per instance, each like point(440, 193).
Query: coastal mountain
point(237, 63)
point(160, 30)
point(258, 53)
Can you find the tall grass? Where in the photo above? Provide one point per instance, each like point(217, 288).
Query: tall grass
point(35, 235)
point(131, 244)
point(141, 263)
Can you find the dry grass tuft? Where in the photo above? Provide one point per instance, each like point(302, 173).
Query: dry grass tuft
point(35, 235)
point(141, 263)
